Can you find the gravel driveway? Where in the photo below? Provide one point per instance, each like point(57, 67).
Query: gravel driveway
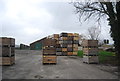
point(29, 66)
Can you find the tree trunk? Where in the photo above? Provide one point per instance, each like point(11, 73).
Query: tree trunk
point(114, 21)
point(118, 20)
point(115, 29)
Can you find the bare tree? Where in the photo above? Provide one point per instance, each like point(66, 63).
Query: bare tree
point(99, 10)
point(94, 32)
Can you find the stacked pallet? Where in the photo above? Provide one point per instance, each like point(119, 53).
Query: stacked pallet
point(49, 51)
point(75, 43)
point(67, 44)
point(7, 51)
point(90, 51)
point(63, 41)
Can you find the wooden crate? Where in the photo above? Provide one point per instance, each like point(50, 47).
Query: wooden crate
point(75, 38)
point(49, 42)
point(49, 59)
point(70, 38)
point(59, 53)
point(64, 45)
point(63, 34)
point(90, 59)
point(64, 49)
point(49, 52)
point(90, 43)
point(64, 53)
point(7, 60)
point(56, 35)
point(7, 51)
point(69, 42)
point(64, 38)
point(7, 41)
point(75, 49)
point(70, 34)
point(76, 34)
point(58, 49)
point(90, 51)
point(75, 41)
point(69, 49)
point(70, 45)
point(70, 53)
point(74, 53)
point(75, 45)
point(49, 48)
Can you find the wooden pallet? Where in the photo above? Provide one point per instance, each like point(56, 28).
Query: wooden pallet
point(49, 63)
point(7, 61)
point(91, 62)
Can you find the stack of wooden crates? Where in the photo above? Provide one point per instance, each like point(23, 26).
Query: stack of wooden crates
point(49, 51)
point(75, 43)
point(67, 44)
point(7, 51)
point(90, 51)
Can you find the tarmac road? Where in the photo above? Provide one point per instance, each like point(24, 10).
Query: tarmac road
point(29, 66)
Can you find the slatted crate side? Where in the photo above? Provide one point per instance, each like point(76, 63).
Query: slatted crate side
point(74, 52)
point(63, 45)
point(75, 38)
point(49, 42)
point(90, 59)
point(13, 59)
point(75, 45)
point(7, 41)
point(56, 35)
point(90, 51)
point(63, 38)
point(90, 43)
point(59, 53)
point(70, 53)
point(50, 56)
point(64, 49)
point(64, 53)
point(63, 34)
point(7, 60)
point(49, 48)
point(75, 41)
point(75, 49)
point(70, 34)
point(58, 49)
point(70, 45)
point(7, 51)
point(69, 42)
point(69, 49)
point(57, 42)
point(70, 38)
point(49, 59)
point(64, 42)
point(76, 35)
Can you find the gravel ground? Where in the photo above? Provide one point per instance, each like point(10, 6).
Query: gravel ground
point(29, 66)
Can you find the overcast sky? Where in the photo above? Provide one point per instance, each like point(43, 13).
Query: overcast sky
point(31, 20)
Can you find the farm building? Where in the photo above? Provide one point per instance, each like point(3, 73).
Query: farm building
point(23, 46)
point(37, 45)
